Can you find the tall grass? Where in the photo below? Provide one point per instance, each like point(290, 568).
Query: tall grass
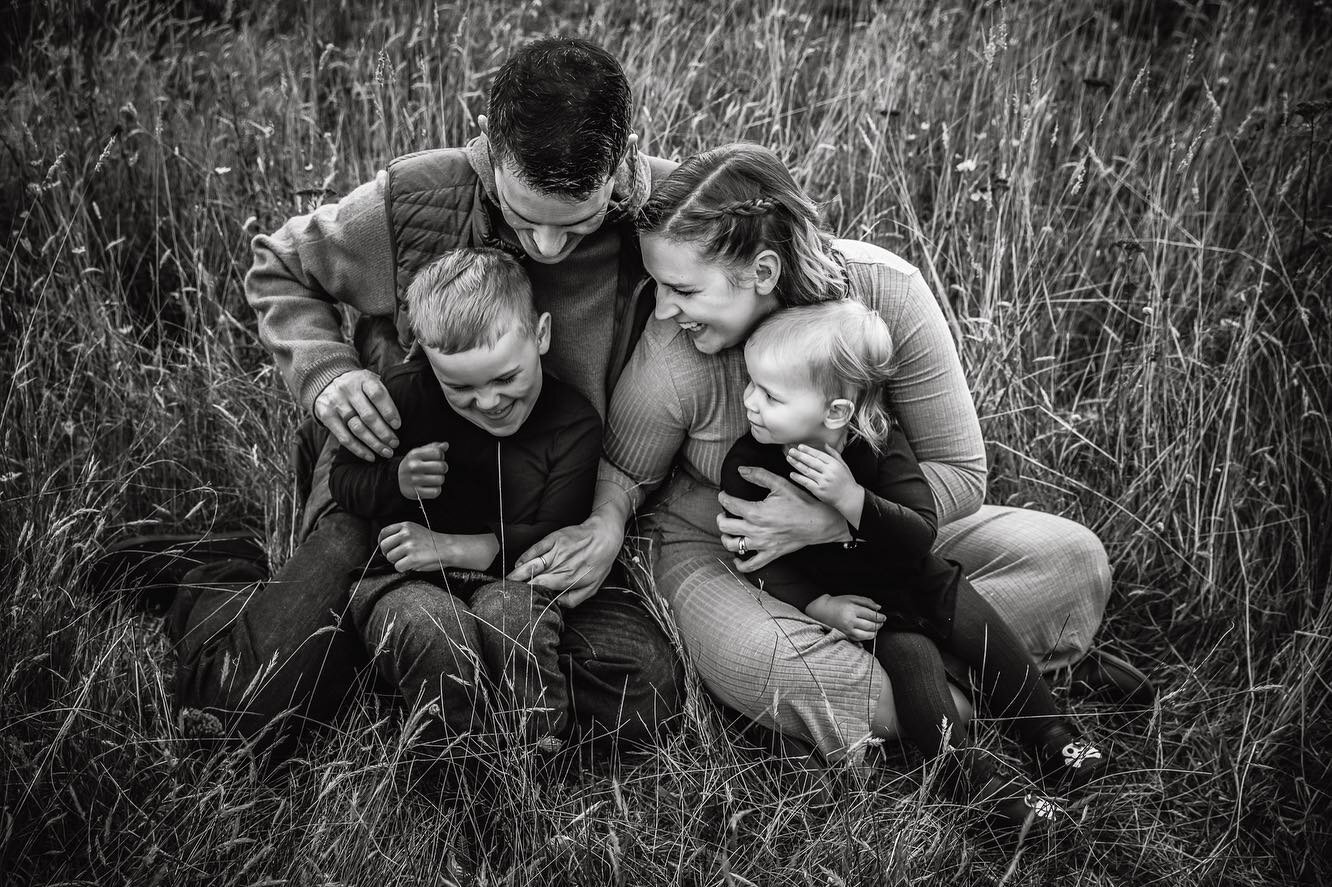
point(1123, 210)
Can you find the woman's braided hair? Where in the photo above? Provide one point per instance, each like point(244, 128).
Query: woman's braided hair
point(735, 201)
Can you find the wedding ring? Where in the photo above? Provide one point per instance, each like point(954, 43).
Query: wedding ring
point(744, 547)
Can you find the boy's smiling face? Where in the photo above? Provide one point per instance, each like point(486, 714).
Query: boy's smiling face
point(494, 387)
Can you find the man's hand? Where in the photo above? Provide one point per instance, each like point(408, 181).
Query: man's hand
point(421, 472)
point(411, 547)
point(574, 560)
point(357, 409)
point(854, 616)
point(824, 473)
point(786, 521)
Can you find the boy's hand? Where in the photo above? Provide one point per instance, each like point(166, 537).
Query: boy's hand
point(854, 616)
point(825, 475)
point(421, 472)
point(411, 547)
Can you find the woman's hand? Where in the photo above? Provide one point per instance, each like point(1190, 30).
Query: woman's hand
point(788, 520)
point(573, 561)
point(854, 616)
point(411, 547)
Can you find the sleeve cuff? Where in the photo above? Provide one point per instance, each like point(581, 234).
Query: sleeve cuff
point(316, 380)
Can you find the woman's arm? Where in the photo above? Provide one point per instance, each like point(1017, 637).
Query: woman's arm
point(929, 397)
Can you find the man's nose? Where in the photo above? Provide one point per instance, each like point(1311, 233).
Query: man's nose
point(549, 241)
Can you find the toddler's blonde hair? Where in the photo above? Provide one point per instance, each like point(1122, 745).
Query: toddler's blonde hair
point(846, 351)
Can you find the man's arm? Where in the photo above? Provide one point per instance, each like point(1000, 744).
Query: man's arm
point(339, 253)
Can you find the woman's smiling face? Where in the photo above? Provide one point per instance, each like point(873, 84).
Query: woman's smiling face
point(716, 306)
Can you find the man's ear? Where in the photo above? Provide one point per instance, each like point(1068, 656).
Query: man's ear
point(839, 413)
point(483, 123)
point(543, 333)
point(767, 270)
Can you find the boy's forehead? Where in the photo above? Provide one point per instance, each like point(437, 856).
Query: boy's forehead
point(484, 363)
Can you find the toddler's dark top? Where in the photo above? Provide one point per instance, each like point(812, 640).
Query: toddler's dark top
point(521, 488)
point(890, 559)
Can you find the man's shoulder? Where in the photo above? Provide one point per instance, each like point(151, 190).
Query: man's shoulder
point(433, 170)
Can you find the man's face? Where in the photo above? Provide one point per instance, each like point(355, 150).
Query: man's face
point(494, 388)
point(548, 226)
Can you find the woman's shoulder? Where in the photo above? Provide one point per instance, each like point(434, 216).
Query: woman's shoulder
point(882, 279)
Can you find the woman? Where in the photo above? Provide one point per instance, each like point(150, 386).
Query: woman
point(729, 238)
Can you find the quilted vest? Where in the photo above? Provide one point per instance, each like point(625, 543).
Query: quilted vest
point(434, 203)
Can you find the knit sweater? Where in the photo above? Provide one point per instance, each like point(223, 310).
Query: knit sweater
point(342, 253)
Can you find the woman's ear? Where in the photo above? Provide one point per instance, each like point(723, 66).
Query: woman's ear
point(543, 333)
point(767, 271)
point(839, 413)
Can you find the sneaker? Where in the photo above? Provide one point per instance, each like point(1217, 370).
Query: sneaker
point(1071, 766)
point(1010, 805)
point(152, 566)
point(1105, 677)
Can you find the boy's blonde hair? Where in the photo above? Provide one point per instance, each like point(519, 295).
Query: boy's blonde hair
point(469, 298)
point(846, 351)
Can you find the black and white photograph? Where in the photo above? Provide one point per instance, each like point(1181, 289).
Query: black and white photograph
point(575, 442)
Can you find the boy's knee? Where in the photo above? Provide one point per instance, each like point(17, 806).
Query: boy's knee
point(417, 617)
point(502, 603)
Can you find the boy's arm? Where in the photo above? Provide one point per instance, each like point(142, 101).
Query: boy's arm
point(899, 505)
point(566, 495)
point(370, 489)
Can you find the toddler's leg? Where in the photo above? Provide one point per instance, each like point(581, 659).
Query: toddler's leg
point(925, 706)
point(520, 632)
point(1013, 687)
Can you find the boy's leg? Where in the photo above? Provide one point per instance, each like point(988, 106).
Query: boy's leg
point(424, 641)
point(624, 676)
point(520, 626)
point(1047, 576)
point(249, 653)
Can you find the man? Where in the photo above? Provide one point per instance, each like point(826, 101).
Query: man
point(556, 179)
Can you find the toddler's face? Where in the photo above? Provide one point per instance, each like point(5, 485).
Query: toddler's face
point(781, 404)
point(494, 388)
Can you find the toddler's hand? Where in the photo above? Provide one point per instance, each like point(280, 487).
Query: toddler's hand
point(856, 617)
point(411, 547)
point(824, 474)
point(421, 472)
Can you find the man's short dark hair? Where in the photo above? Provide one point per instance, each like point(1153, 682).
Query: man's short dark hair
point(560, 113)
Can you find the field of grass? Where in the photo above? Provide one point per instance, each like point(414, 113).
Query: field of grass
point(1125, 209)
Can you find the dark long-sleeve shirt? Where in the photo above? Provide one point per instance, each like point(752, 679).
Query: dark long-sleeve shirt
point(520, 488)
point(889, 560)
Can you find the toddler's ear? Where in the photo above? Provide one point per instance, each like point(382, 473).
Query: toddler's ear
point(839, 413)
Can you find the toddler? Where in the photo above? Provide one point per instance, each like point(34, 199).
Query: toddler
point(815, 406)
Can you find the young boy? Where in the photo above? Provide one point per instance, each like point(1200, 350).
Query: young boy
point(493, 455)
